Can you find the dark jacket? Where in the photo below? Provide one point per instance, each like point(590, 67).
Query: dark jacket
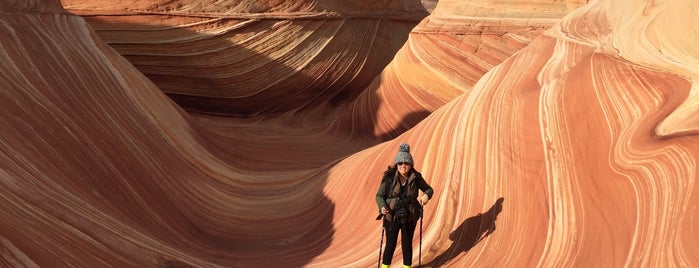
point(389, 196)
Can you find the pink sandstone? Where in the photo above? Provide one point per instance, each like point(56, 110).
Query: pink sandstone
point(253, 133)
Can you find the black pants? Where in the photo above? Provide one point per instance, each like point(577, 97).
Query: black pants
point(406, 239)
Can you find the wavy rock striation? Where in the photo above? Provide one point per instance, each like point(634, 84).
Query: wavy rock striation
point(548, 142)
point(445, 55)
point(248, 58)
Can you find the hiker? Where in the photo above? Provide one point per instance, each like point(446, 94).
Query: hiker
point(400, 205)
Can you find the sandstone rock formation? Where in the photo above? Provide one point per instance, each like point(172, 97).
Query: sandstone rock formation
point(248, 58)
point(555, 134)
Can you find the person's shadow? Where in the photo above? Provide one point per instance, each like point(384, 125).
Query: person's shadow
point(468, 234)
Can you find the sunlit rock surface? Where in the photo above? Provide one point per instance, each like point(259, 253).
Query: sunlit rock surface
point(443, 58)
point(550, 142)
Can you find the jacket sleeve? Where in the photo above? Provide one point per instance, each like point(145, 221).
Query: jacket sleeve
point(381, 193)
point(424, 187)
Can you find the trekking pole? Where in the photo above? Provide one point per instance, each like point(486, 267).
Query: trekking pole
point(419, 258)
point(380, 246)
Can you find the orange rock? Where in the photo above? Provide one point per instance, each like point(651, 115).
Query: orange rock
point(554, 134)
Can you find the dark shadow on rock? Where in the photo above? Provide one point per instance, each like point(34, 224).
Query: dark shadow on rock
point(229, 244)
point(217, 244)
point(408, 122)
point(472, 231)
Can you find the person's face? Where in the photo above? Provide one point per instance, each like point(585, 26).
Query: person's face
point(403, 168)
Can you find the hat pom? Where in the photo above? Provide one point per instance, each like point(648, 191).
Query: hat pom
point(403, 155)
point(404, 148)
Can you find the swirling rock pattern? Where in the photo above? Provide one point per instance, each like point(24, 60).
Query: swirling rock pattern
point(549, 142)
point(248, 58)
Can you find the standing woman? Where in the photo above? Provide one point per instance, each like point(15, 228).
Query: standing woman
point(400, 205)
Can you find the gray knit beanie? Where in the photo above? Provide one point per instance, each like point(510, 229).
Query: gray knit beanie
point(403, 154)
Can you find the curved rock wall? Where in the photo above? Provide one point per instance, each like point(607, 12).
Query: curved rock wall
point(254, 58)
point(548, 142)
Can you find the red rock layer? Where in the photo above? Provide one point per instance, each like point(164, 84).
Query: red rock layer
point(99, 168)
point(573, 151)
point(444, 57)
point(255, 58)
point(263, 8)
point(19, 6)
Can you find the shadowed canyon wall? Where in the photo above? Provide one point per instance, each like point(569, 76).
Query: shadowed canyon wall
point(254, 133)
point(247, 58)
